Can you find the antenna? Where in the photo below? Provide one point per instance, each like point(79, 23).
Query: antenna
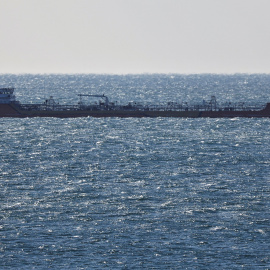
point(44, 89)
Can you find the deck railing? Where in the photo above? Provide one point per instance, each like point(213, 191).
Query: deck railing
point(160, 107)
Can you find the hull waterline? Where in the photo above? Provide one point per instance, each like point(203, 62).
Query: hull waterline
point(11, 110)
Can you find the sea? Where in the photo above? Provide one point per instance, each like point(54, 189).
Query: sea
point(135, 193)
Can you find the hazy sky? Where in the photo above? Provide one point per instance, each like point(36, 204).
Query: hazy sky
point(134, 36)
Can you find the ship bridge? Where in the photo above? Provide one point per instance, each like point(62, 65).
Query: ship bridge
point(6, 95)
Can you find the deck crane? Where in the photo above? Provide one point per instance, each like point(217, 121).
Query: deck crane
point(105, 98)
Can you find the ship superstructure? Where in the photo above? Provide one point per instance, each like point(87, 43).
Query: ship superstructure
point(7, 96)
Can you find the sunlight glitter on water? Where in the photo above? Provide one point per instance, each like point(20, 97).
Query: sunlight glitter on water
point(135, 193)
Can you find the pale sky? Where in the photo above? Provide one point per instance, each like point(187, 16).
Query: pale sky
point(135, 36)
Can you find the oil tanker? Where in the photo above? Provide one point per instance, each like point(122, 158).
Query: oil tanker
point(102, 107)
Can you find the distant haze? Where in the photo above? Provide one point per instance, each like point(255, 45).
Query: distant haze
point(134, 36)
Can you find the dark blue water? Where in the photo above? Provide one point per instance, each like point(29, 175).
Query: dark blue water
point(118, 193)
